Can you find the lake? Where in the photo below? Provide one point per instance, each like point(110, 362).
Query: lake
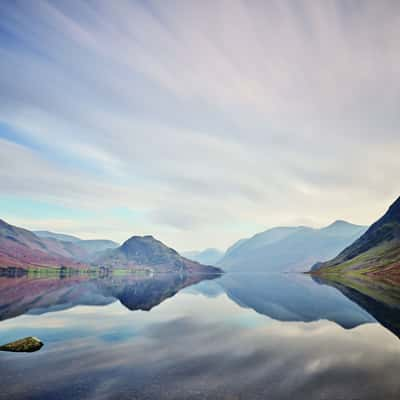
point(235, 336)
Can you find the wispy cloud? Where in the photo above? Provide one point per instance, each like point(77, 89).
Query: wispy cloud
point(204, 115)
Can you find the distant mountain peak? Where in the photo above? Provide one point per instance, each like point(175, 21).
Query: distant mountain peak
point(140, 238)
point(290, 248)
point(209, 256)
point(142, 242)
point(341, 223)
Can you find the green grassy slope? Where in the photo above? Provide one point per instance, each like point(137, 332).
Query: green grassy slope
point(377, 252)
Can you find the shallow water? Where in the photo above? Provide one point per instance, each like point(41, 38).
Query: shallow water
point(174, 337)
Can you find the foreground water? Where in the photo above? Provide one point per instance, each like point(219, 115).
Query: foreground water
point(175, 337)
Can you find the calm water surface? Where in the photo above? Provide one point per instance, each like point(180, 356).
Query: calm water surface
point(174, 337)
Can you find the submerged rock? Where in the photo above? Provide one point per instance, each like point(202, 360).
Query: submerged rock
point(26, 345)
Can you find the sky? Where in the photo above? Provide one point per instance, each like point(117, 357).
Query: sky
point(199, 122)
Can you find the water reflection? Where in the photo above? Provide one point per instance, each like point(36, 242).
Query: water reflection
point(379, 297)
point(290, 297)
point(25, 295)
point(229, 338)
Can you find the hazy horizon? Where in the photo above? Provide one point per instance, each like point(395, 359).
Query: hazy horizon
point(199, 123)
point(181, 250)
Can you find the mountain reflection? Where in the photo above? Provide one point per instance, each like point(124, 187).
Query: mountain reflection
point(212, 339)
point(293, 297)
point(380, 298)
point(200, 347)
point(282, 297)
point(25, 295)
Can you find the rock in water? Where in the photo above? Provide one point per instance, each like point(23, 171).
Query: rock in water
point(26, 345)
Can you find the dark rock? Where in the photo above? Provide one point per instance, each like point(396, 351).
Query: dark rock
point(26, 345)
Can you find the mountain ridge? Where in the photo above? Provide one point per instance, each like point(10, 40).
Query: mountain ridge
point(55, 235)
point(148, 252)
point(21, 248)
point(377, 251)
point(89, 246)
point(290, 248)
point(209, 256)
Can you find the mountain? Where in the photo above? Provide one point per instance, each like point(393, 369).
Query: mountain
point(92, 246)
point(289, 248)
point(146, 252)
point(207, 256)
point(235, 245)
point(22, 248)
point(58, 236)
point(376, 252)
point(89, 246)
point(259, 241)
